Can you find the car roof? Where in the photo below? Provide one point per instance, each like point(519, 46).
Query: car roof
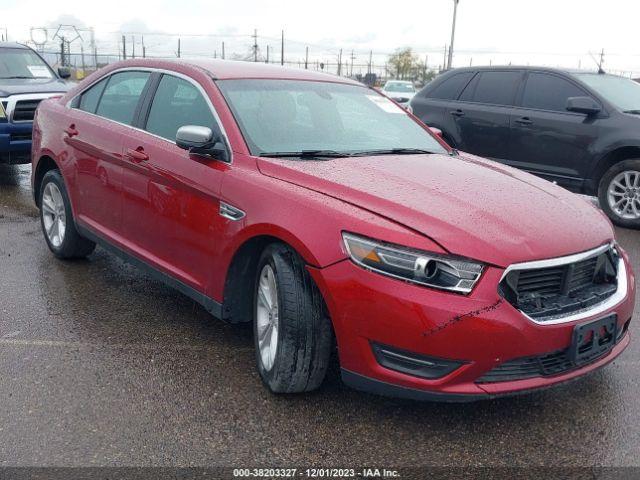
point(238, 69)
point(522, 67)
point(13, 45)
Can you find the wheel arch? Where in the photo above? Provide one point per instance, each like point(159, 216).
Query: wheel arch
point(614, 156)
point(45, 164)
point(241, 270)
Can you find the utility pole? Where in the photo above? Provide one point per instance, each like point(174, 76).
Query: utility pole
point(255, 45)
point(601, 63)
point(370, 61)
point(340, 62)
point(453, 32)
point(353, 57)
point(133, 46)
point(444, 61)
point(179, 48)
point(267, 60)
point(282, 49)
point(144, 48)
point(306, 59)
point(124, 47)
point(223, 50)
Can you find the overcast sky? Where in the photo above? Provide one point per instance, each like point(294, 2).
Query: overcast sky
point(550, 32)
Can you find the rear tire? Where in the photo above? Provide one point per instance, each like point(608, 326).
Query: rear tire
point(56, 219)
point(619, 193)
point(298, 360)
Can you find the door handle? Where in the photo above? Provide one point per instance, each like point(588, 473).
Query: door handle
point(138, 155)
point(457, 113)
point(524, 121)
point(71, 130)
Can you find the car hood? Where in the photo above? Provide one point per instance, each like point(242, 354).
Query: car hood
point(400, 95)
point(470, 206)
point(31, 85)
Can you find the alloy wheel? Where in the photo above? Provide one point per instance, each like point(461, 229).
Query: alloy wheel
point(623, 195)
point(267, 317)
point(53, 213)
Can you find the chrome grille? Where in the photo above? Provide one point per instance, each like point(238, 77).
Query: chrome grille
point(558, 290)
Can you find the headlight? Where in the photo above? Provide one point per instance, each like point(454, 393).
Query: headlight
point(3, 114)
point(424, 268)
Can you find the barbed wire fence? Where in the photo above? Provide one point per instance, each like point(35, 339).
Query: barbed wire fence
point(84, 51)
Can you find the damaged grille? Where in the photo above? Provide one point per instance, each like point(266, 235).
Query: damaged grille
point(546, 294)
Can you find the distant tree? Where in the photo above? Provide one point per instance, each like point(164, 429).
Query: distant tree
point(402, 63)
point(405, 65)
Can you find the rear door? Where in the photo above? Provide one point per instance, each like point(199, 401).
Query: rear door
point(432, 105)
point(171, 198)
point(94, 130)
point(546, 138)
point(482, 114)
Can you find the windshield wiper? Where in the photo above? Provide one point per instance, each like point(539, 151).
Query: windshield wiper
point(632, 112)
point(306, 154)
point(395, 151)
point(15, 77)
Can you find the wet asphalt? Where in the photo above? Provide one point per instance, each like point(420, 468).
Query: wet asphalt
point(102, 366)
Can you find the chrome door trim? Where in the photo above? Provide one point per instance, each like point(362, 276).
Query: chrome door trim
point(163, 71)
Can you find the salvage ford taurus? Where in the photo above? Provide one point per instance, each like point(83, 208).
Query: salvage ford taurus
point(327, 215)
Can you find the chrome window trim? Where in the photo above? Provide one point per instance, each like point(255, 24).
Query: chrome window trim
point(12, 100)
point(163, 71)
point(612, 301)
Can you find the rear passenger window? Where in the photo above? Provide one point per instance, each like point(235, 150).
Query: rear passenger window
point(451, 87)
point(178, 103)
point(549, 92)
point(90, 98)
point(494, 88)
point(121, 96)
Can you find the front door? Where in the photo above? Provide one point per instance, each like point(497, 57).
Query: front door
point(171, 198)
point(547, 139)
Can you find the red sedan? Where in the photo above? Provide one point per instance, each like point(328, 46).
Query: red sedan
point(329, 217)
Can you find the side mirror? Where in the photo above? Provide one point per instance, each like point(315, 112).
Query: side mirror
point(64, 72)
point(437, 132)
point(584, 105)
point(200, 141)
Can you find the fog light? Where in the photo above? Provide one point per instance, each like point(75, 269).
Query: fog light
point(412, 363)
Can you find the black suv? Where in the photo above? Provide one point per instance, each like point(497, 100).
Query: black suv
point(579, 129)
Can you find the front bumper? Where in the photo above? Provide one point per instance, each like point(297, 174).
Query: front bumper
point(480, 330)
point(15, 142)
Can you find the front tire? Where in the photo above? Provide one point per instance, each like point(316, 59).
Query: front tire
point(56, 219)
point(292, 332)
point(619, 193)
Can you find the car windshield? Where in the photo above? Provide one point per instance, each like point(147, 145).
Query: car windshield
point(399, 87)
point(330, 119)
point(22, 63)
point(621, 92)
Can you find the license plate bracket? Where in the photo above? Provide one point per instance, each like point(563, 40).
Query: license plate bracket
point(594, 339)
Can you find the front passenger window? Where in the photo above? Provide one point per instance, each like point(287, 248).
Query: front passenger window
point(178, 103)
point(121, 96)
point(549, 92)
